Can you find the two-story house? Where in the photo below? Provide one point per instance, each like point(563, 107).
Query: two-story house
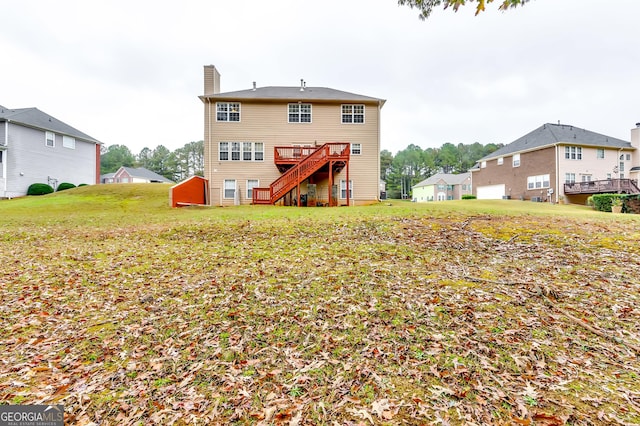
point(558, 161)
point(271, 145)
point(38, 148)
point(442, 186)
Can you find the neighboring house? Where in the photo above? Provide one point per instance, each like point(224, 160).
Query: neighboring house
point(38, 148)
point(134, 175)
point(286, 145)
point(442, 186)
point(556, 161)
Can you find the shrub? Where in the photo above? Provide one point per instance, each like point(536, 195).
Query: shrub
point(65, 185)
point(39, 189)
point(83, 184)
point(603, 202)
point(468, 197)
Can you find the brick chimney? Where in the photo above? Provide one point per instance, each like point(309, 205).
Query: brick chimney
point(211, 80)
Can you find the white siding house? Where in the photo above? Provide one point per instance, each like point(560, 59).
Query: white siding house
point(38, 148)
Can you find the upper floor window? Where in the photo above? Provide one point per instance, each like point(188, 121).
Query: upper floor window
point(241, 151)
point(69, 142)
point(50, 139)
point(600, 153)
point(356, 149)
point(516, 160)
point(352, 114)
point(500, 161)
point(483, 164)
point(228, 111)
point(299, 113)
point(628, 157)
point(573, 152)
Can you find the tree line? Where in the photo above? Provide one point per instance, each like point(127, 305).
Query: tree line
point(176, 166)
point(400, 171)
point(414, 164)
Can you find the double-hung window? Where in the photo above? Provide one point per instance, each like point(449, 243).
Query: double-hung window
point(251, 183)
point(343, 189)
point(573, 152)
point(68, 142)
point(300, 113)
point(537, 182)
point(50, 139)
point(228, 111)
point(356, 149)
point(241, 151)
point(569, 178)
point(229, 188)
point(516, 160)
point(353, 114)
point(600, 153)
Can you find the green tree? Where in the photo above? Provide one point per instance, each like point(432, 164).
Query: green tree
point(144, 158)
point(114, 157)
point(425, 7)
point(386, 158)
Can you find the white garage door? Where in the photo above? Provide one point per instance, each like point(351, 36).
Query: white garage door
point(490, 192)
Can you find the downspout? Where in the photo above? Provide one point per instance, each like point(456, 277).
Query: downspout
point(558, 175)
point(4, 160)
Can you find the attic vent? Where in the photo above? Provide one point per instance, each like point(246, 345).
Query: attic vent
point(254, 86)
point(303, 85)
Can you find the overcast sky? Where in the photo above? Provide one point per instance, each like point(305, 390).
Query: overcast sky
point(130, 72)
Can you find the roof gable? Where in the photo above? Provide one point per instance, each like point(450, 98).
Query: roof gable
point(141, 172)
point(33, 117)
point(564, 134)
point(285, 93)
point(447, 178)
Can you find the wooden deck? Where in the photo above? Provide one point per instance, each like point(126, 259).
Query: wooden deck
point(626, 186)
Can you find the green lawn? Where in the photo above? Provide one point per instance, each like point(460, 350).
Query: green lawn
point(463, 312)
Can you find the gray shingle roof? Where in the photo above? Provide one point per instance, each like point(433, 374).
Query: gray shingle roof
point(448, 178)
point(293, 94)
point(33, 117)
point(565, 134)
point(141, 172)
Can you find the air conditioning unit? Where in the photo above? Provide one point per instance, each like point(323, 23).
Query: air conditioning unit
point(536, 199)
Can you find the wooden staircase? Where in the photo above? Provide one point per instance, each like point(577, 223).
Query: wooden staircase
point(334, 154)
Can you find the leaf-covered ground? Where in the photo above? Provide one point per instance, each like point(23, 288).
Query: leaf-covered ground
point(379, 317)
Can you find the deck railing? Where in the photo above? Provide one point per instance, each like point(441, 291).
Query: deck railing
point(628, 186)
point(308, 165)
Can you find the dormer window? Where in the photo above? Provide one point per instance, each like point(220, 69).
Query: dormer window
point(228, 111)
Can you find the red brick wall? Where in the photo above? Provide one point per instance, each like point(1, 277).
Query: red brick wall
point(540, 162)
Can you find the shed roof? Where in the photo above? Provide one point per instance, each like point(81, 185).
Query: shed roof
point(33, 117)
point(565, 134)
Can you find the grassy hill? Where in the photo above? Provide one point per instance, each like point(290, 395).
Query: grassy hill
point(472, 312)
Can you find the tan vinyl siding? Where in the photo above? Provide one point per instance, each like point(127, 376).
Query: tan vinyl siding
point(268, 123)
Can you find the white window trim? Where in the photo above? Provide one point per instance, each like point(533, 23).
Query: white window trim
point(68, 142)
point(353, 114)
point(47, 138)
point(228, 112)
point(343, 184)
point(500, 161)
point(533, 180)
point(229, 151)
point(257, 185)
point(516, 160)
point(359, 149)
point(224, 189)
point(300, 114)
